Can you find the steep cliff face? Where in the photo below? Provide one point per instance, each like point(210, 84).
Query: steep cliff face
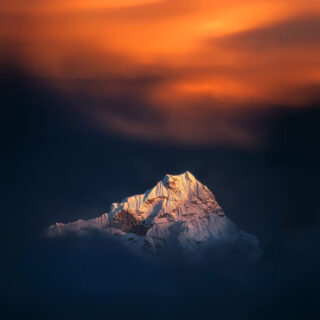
point(178, 212)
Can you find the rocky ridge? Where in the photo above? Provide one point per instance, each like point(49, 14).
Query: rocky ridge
point(178, 212)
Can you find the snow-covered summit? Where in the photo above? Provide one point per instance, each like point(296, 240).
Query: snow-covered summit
point(177, 212)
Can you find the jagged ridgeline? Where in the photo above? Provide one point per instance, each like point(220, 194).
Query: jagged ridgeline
point(177, 213)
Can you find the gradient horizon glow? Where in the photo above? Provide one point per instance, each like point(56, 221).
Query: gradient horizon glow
point(182, 71)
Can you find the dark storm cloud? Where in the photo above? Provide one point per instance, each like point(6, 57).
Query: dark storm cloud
point(119, 104)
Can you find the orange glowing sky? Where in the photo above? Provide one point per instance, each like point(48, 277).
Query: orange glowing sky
point(187, 62)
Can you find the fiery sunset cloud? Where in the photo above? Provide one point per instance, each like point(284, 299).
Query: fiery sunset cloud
point(182, 71)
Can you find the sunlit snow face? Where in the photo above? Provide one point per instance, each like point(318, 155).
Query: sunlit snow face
point(186, 220)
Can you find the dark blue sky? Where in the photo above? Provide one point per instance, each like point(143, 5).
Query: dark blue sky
point(58, 168)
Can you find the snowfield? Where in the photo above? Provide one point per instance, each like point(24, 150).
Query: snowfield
point(178, 213)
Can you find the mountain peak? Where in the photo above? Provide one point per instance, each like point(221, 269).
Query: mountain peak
point(178, 211)
point(187, 175)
